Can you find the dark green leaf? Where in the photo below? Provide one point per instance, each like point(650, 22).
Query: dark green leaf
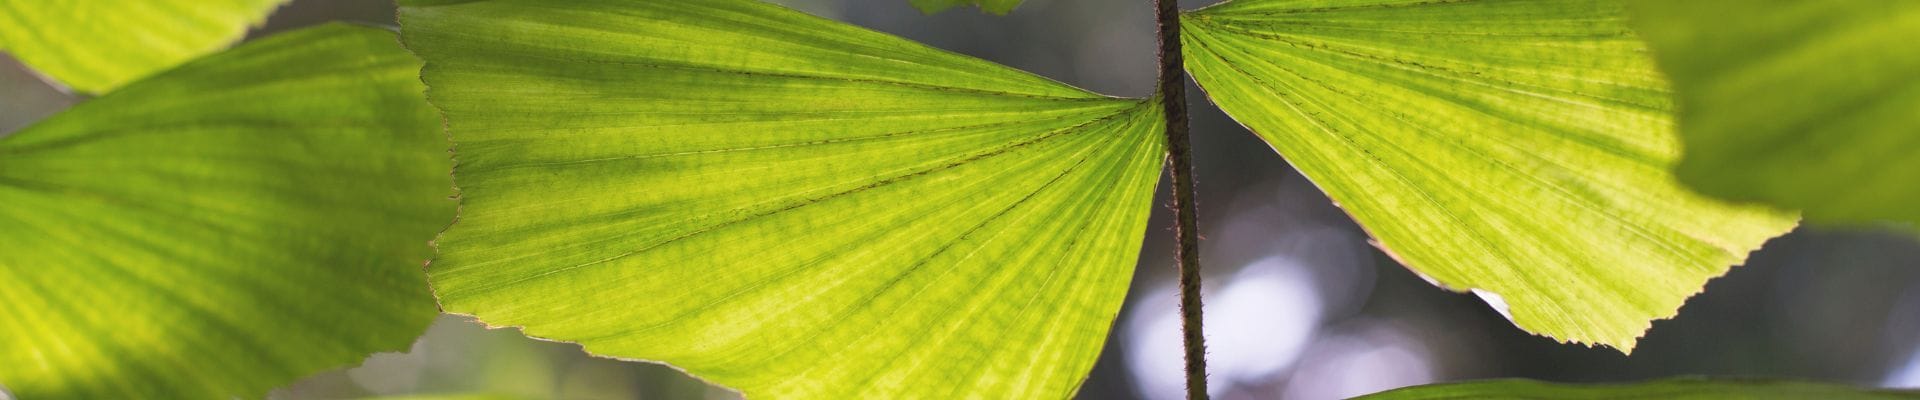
point(1808, 105)
point(1672, 389)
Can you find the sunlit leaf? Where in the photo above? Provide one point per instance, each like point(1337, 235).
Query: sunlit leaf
point(1518, 149)
point(97, 45)
point(1672, 389)
point(994, 6)
point(1810, 105)
point(780, 203)
point(223, 228)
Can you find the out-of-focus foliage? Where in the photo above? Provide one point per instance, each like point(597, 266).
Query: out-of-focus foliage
point(1673, 389)
point(459, 356)
point(451, 396)
point(1515, 149)
point(992, 6)
point(95, 46)
point(225, 227)
point(1810, 105)
point(779, 203)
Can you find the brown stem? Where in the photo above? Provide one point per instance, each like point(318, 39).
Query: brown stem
point(1186, 231)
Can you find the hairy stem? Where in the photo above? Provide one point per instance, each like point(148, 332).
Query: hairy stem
point(1186, 231)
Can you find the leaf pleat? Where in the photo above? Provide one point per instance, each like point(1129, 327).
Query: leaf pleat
point(224, 228)
point(1518, 149)
point(95, 46)
point(782, 204)
point(1804, 105)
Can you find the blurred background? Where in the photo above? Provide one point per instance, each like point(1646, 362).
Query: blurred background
point(1299, 305)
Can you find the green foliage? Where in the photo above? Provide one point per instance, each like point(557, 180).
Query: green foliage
point(1671, 389)
point(1001, 7)
point(796, 207)
point(97, 45)
point(223, 228)
point(1810, 105)
point(1516, 149)
point(454, 396)
point(779, 203)
point(799, 208)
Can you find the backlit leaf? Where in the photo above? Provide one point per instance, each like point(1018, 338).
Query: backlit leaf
point(1671, 389)
point(97, 45)
point(1809, 105)
point(1517, 149)
point(783, 204)
point(223, 228)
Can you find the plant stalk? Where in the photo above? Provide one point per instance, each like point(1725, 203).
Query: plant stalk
point(1186, 231)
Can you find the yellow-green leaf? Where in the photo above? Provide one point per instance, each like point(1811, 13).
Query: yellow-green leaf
point(779, 203)
point(223, 228)
point(1001, 7)
point(1671, 389)
point(1809, 105)
point(96, 45)
point(1517, 149)
point(450, 396)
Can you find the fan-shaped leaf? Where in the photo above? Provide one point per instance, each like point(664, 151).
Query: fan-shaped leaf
point(783, 204)
point(97, 45)
point(1811, 105)
point(1671, 389)
point(1518, 149)
point(223, 228)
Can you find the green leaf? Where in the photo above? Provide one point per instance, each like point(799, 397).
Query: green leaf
point(1810, 105)
point(223, 228)
point(1674, 389)
point(1517, 149)
point(779, 203)
point(97, 45)
point(1001, 7)
point(450, 396)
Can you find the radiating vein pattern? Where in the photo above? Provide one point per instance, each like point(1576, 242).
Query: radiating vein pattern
point(1518, 148)
point(97, 45)
point(223, 228)
point(1809, 105)
point(779, 203)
